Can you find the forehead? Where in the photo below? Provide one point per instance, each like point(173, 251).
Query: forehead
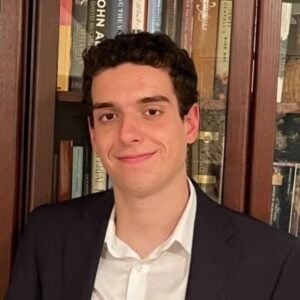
point(132, 80)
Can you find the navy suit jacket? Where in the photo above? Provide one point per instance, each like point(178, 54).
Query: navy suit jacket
point(234, 257)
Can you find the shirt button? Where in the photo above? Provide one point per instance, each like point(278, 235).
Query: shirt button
point(142, 268)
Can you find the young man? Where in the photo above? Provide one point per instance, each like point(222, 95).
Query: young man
point(156, 235)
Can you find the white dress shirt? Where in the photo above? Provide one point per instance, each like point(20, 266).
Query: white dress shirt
point(162, 275)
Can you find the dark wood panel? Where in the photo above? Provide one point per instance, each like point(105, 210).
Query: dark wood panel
point(44, 99)
point(264, 108)
point(11, 31)
point(235, 165)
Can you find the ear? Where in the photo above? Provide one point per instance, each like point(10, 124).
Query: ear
point(92, 135)
point(191, 123)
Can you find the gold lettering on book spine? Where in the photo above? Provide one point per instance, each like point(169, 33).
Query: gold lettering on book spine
point(203, 12)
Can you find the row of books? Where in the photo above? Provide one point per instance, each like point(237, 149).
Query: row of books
point(203, 28)
point(285, 206)
point(79, 172)
point(289, 54)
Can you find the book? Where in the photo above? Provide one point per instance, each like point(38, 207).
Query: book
point(204, 43)
point(77, 171)
point(64, 45)
point(65, 170)
point(101, 21)
point(138, 15)
point(79, 24)
point(86, 167)
point(98, 175)
point(91, 23)
point(171, 19)
point(154, 16)
point(294, 226)
point(282, 191)
point(287, 144)
point(187, 25)
point(118, 17)
point(284, 33)
point(207, 163)
point(223, 50)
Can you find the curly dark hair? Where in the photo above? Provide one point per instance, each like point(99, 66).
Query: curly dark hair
point(153, 49)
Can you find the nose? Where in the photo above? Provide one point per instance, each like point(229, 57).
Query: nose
point(131, 130)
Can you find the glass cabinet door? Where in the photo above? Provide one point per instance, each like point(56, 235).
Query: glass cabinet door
point(285, 204)
point(204, 28)
point(211, 41)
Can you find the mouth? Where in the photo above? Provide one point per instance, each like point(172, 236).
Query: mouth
point(135, 158)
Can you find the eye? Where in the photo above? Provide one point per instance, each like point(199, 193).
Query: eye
point(153, 112)
point(107, 117)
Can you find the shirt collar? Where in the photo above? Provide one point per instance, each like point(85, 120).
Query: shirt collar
point(182, 234)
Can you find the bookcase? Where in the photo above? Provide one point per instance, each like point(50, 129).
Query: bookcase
point(29, 111)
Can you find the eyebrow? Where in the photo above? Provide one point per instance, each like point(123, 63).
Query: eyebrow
point(145, 100)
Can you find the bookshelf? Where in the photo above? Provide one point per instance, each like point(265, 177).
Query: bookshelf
point(27, 164)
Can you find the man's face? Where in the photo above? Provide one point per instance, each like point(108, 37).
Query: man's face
point(137, 131)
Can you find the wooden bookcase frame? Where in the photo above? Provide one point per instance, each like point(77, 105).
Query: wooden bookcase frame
point(235, 165)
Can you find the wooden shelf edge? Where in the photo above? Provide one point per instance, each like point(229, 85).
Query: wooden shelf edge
point(288, 107)
point(69, 96)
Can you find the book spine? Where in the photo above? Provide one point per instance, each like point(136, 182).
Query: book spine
point(101, 20)
point(223, 50)
point(154, 17)
point(91, 23)
point(187, 26)
point(284, 33)
point(64, 45)
point(294, 226)
point(65, 170)
point(86, 168)
point(77, 171)
point(138, 15)
point(204, 43)
point(172, 19)
point(98, 176)
point(118, 17)
point(282, 196)
point(79, 25)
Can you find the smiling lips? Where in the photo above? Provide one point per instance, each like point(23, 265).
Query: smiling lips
point(135, 158)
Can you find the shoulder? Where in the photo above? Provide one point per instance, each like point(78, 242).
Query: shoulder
point(246, 233)
point(64, 214)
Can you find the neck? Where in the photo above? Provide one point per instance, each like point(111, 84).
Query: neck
point(145, 222)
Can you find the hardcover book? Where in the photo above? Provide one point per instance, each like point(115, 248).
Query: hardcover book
point(98, 175)
point(65, 170)
point(294, 227)
point(283, 182)
point(79, 36)
point(187, 25)
point(118, 17)
point(77, 171)
point(138, 15)
point(154, 17)
point(204, 43)
point(223, 50)
point(171, 20)
point(284, 33)
point(64, 45)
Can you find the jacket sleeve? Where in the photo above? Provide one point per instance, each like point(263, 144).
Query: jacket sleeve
point(25, 283)
point(287, 287)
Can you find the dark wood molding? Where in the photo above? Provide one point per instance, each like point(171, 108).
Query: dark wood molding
point(45, 70)
point(12, 19)
point(239, 93)
point(264, 108)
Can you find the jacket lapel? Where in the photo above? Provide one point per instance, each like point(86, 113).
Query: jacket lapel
point(83, 246)
point(214, 258)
